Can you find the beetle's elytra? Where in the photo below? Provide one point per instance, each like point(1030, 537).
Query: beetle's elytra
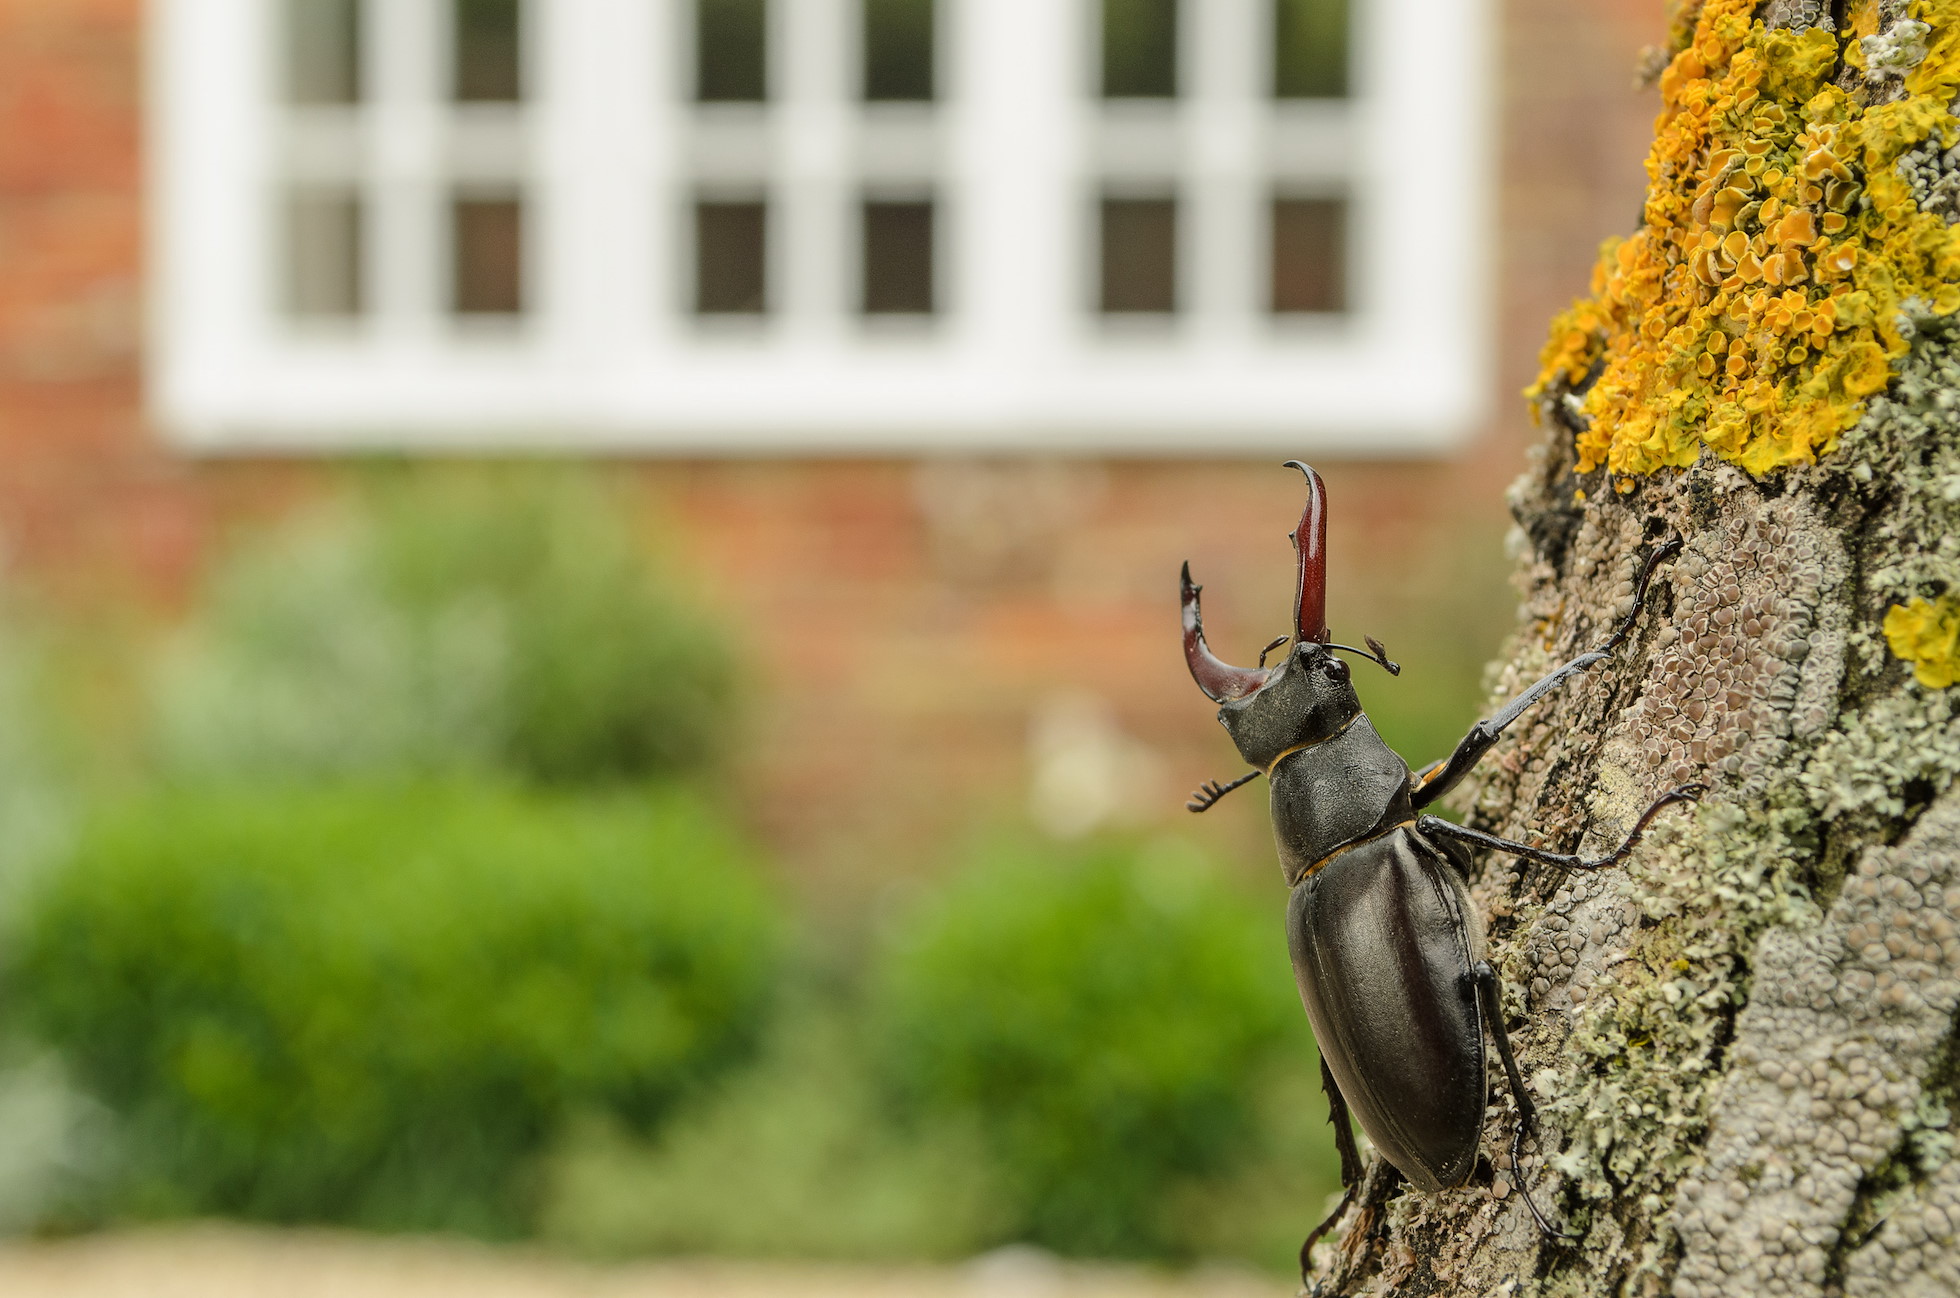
point(1388, 950)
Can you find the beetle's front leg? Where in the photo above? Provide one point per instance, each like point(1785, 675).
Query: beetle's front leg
point(1350, 1164)
point(1211, 791)
point(1439, 778)
point(1437, 826)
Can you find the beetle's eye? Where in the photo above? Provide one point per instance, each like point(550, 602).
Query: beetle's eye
point(1336, 669)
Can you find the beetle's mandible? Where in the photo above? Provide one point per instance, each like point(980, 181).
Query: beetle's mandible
point(1387, 948)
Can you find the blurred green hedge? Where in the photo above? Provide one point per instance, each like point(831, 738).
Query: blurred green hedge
point(441, 619)
point(375, 1005)
point(1106, 1019)
point(1097, 1049)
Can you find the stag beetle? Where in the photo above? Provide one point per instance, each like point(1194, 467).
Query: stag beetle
point(1388, 950)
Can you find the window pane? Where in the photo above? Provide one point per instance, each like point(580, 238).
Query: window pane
point(731, 247)
point(1310, 49)
point(1139, 49)
point(1309, 254)
point(489, 256)
point(731, 51)
point(489, 55)
point(323, 253)
point(898, 49)
point(323, 51)
point(898, 258)
point(1139, 255)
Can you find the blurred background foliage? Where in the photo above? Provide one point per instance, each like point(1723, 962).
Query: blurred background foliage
point(373, 1004)
point(495, 620)
point(1098, 1016)
point(419, 909)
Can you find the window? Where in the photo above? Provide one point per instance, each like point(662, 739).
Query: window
point(1139, 256)
point(1309, 255)
point(731, 51)
point(488, 248)
point(323, 46)
point(900, 50)
point(728, 148)
point(898, 269)
point(489, 51)
point(1139, 49)
point(321, 269)
point(323, 252)
point(704, 226)
point(1310, 49)
point(731, 275)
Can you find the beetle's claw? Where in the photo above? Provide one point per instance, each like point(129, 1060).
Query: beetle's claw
point(1206, 797)
point(1517, 1178)
point(1381, 655)
point(1313, 1236)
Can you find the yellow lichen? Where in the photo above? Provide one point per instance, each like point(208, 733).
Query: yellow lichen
point(1927, 635)
point(1758, 305)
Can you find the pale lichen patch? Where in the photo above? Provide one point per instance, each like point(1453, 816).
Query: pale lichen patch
point(1830, 1056)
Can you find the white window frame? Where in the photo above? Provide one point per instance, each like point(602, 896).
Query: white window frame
point(607, 356)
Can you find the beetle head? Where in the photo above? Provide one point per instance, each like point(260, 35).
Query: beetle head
point(1308, 696)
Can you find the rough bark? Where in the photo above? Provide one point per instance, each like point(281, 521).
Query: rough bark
point(1744, 1043)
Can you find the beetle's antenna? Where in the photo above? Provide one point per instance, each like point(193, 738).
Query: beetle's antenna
point(1211, 791)
point(1376, 654)
point(1269, 648)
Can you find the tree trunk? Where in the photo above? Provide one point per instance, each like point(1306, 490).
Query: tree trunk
point(1743, 1043)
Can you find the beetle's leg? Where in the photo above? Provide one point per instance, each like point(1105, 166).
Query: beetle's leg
point(1313, 1236)
point(1351, 1171)
point(1209, 793)
point(1491, 994)
point(1563, 860)
point(1337, 1117)
point(1439, 778)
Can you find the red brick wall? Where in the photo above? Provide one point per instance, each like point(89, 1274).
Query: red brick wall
point(906, 623)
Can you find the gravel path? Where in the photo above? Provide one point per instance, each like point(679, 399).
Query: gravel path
point(231, 1262)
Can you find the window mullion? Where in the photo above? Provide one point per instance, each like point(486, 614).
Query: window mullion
point(408, 205)
point(588, 177)
point(1017, 112)
point(1224, 122)
point(815, 257)
point(1449, 63)
point(658, 172)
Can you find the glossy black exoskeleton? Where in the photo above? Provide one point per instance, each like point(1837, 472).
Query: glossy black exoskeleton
point(1387, 948)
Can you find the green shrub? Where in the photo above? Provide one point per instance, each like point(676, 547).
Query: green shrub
point(442, 621)
point(1108, 1022)
point(795, 1156)
point(375, 1005)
